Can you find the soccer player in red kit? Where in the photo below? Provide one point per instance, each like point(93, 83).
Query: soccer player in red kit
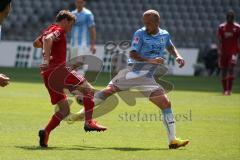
point(57, 76)
point(229, 47)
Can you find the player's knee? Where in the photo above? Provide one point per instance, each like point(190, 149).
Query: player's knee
point(109, 90)
point(65, 112)
point(88, 92)
point(167, 104)
point(160, 99)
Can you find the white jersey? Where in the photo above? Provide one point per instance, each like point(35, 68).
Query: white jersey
point(80, 36)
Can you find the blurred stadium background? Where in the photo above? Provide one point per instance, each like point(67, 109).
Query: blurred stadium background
point(192, 23)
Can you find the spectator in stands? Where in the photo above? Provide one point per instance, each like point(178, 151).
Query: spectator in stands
point(211, 60)
point(5, 6)
point(229, 47)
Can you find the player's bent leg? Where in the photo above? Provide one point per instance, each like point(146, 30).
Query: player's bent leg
point(224, 80)
point(230, 78)
point(90, 124)
point(102, 95)
point(79, 92)
point(99, 97)
point(54, 122)
point(160, 99)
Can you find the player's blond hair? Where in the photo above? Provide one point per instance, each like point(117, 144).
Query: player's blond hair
point(153, 13)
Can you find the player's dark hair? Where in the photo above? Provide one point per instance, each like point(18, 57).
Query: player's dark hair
point(230, 13)
point(64, 14)
point(4, 4)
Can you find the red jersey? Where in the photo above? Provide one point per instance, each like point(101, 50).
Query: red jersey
point(59, 46)
point(229, 35)
point(58, 76)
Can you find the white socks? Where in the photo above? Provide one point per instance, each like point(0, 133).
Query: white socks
point(169, 123)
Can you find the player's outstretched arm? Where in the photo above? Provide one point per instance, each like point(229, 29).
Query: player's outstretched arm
point(173, 51)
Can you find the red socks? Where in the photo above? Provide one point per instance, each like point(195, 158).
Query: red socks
point(88, 106)
point(54, 122)
point(227, 83)
point(230, 82)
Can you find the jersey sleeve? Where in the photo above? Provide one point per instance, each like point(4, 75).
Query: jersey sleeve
point(137, 42)
point(58, 34)
point(90, 20)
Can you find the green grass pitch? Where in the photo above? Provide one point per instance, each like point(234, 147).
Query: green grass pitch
point(211, 122)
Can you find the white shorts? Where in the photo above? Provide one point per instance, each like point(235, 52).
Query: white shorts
point(79, 51)
point(127, 79)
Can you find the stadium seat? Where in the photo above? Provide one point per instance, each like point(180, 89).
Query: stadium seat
point(176, 15)
point(185, 15)
point(196, 23)
point(218, 9)
point(163, 1)
point(200, 9)
point(187, 23)
point(194, 16)
point(179, 16)
point(181, 2)
point(191, 9)
point(189, 2)
point(179, 22)
point(216, 2)
point(182, 9)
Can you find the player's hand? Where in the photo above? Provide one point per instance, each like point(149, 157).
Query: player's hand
point(158, 60)
point(44, 66)
point(180, 61)
point(4, 80)
point(93, 49)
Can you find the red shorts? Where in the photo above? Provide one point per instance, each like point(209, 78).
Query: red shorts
point(227, 61)
point(57, 79)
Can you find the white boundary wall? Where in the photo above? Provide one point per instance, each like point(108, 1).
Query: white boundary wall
point(23, 54)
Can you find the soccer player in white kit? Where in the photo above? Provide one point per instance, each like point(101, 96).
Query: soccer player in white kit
point(146, 54)
point(83, 35)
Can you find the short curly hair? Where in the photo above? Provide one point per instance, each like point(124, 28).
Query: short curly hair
point(3, 4)
point(65, 14)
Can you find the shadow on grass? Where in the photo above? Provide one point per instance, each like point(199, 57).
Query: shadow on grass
point(90, 148)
